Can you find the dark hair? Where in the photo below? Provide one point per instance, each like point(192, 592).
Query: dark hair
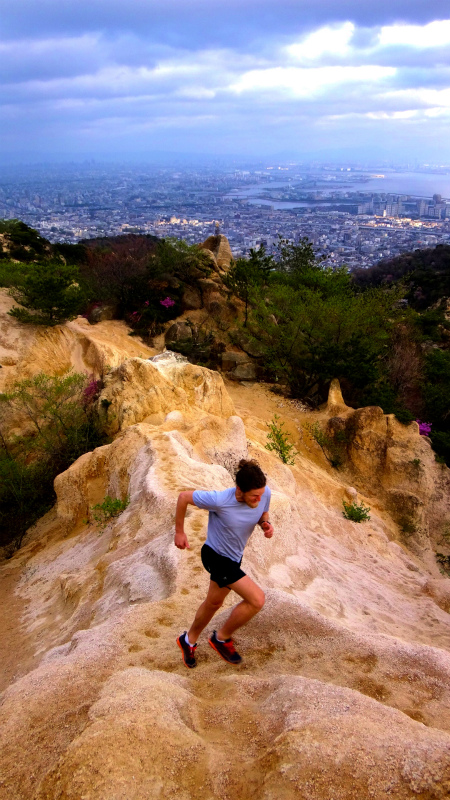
point(250, 476)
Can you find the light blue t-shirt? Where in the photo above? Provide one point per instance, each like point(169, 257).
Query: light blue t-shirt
point(230, 522)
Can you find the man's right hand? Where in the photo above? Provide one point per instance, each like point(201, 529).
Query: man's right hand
point(181, 541)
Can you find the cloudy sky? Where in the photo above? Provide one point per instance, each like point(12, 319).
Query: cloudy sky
point(134, 78)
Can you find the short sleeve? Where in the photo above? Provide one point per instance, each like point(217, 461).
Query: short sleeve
point(208, 500)
point(267, 496)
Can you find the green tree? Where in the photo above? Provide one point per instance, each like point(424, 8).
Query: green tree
point(52, 292)
point(299, 266)
point(246, 275)
point(310, 337)
point(184, 261)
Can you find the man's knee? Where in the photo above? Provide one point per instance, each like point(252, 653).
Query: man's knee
point(258, 600)
point(214, 603)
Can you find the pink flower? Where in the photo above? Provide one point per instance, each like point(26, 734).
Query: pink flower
point(424, 427)
point(167, 303)
point(146, 302)
point(91, 391)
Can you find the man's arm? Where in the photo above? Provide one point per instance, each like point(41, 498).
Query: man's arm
point(266, 525)
point(184, 499)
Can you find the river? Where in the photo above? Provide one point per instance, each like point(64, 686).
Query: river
point(416, 184)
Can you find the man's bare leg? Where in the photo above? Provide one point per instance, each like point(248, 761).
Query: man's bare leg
point(252, 602)
point(208, 608)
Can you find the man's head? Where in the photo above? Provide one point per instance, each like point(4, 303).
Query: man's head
point(250, 483)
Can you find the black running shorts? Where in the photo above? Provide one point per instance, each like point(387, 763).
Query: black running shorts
point(223, 570)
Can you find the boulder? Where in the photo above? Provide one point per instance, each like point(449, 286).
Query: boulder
point(191, 299)
point(250, 346)
point(231, 358)
point(238, 366)
point(220, 248)
point(180, 331)
point(395, 462)
point(207, 285)
point(244, 372)
point(101, 313)
point(169, 356)
point(214, 303)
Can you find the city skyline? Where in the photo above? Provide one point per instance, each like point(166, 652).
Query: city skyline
point(150, 81)
point(353, 218)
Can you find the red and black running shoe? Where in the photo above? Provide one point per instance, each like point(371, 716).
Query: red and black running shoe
point(225, 649)
point(187, 650)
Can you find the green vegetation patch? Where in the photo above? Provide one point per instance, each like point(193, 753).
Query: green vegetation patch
point(356, 512)
point(278, 441)
point(109, 509)
point(61, 423)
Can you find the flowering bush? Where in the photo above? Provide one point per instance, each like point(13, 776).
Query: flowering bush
point(91, 391)
point(424, 427)
point(168, 302)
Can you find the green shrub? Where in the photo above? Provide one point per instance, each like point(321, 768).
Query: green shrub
point(355, 512)
point(404, 416)
point(49, 293)
point(62, 424)
point(444, 563)
point(25, 243)
point(26, 493)
point(110, 508)
point(278, 441)
point(383, 394)
point(11, 273)
point(332, 447)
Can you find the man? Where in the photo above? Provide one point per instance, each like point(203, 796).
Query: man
point(233, 514)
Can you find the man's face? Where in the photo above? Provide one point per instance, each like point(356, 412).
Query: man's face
point(253, 497)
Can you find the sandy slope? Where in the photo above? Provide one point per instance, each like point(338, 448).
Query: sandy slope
point(26, 350)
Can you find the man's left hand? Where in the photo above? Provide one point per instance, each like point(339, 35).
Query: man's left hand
point(268, 529)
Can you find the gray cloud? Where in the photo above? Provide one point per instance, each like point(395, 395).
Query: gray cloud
point(234, 77)
point(191, 24)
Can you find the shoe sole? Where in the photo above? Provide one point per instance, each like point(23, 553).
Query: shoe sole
point(189, 666)
point(233, 663)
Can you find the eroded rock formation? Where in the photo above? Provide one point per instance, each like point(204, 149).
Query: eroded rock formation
point(394, 462)
point(345, 688)
point(26, 350)
point(220, 249)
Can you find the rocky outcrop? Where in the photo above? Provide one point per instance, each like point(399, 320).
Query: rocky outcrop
point(191, 299)
point(395, 462)
point(220, 249)
point(142, 390)
point(336, 404)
